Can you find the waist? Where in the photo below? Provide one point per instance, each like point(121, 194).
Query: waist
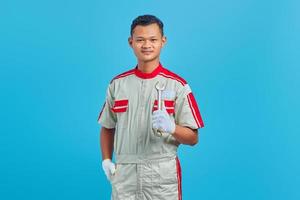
point(143, 158)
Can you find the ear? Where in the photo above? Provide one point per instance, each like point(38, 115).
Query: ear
point(130, 41)
point(164, 40)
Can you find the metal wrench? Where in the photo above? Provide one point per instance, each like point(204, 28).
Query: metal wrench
point(159, 87)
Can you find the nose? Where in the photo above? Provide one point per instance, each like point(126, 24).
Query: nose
point(146, 44)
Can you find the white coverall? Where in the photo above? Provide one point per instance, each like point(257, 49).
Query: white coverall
point(147, 167)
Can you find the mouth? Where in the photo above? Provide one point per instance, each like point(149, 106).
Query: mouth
point(147, 52)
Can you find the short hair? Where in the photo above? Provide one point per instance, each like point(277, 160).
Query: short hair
point(145, 20)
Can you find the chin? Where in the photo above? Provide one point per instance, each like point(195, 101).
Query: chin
point(147, 59)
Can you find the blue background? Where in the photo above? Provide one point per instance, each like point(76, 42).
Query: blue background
point(241, 59)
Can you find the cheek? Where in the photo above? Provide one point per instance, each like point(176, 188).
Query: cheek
point(159, 45)
point(136, 47)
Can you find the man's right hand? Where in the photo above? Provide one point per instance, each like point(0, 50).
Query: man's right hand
point(109, 168)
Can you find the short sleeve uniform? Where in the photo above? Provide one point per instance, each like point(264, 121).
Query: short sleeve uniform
point(131, 98)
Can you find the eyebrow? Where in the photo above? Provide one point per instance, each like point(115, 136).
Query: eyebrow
point(151, 37)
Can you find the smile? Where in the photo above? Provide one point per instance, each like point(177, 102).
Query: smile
point(147, 52)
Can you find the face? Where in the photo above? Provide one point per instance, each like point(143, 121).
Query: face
point(147, 42)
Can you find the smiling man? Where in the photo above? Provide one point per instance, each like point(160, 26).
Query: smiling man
point(149, 111)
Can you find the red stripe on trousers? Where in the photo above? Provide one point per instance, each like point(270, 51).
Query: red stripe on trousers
point(178, 167)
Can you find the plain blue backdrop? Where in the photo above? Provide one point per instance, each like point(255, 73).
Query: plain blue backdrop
point(241, 58)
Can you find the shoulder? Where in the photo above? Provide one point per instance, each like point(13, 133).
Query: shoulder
point(171, 75)
point(122, 75)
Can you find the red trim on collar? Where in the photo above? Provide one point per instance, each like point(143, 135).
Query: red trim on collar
point(143, 75)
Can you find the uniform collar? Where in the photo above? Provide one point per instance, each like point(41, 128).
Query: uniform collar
point(152, 74)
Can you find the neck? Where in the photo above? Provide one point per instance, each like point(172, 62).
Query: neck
point(147, 67)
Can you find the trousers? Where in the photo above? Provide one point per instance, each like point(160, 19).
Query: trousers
point(148, 179)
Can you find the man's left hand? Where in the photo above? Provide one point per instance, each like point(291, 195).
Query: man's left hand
point(161, 121)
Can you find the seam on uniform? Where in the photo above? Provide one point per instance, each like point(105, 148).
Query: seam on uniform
point(122, 75)
point(167, 73)
point(173, 77)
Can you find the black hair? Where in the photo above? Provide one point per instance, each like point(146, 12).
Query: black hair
point(145, 20)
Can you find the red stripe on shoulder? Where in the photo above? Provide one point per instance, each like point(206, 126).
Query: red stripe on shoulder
point(124, 74)
point(168, 74)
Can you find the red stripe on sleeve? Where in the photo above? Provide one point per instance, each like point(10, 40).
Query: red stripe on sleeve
point(101, 111)
point(195, 110)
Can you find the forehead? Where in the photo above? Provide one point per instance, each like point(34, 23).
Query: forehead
point(146, 31)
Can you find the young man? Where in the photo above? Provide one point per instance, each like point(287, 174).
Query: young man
point(148, 112)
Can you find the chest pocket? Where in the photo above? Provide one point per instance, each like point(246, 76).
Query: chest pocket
point(169, 105)
point(120, 107)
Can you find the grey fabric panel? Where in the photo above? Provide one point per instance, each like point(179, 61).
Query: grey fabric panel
point(146, 181)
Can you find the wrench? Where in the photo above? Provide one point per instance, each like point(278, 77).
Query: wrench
point(159, 87)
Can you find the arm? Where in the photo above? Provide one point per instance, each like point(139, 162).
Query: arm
point(187, 116)
point(107, 142)
point(186, 135)
point(107, 146)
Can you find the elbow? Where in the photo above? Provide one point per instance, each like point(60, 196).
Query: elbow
point(194, 141)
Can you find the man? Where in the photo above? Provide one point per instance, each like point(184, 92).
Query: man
point(148, 112)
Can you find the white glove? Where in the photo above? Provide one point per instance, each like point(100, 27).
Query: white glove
point(161, 121)
point(109, 168)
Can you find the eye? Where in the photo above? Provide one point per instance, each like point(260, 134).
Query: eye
point(153, 40)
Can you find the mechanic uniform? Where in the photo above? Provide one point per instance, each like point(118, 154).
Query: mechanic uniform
point(147, 167)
